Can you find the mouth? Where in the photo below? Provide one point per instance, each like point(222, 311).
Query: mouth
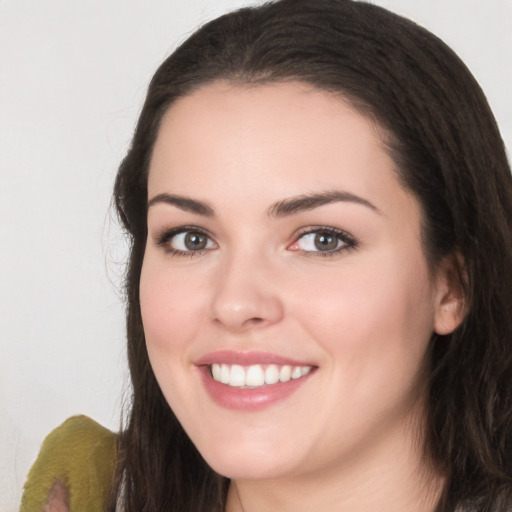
point(256, 375)
point(252, 381)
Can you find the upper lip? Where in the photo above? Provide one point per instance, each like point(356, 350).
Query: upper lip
point(247, 358)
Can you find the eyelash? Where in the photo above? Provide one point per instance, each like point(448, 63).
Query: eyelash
point(163, 239)
point(347, 240)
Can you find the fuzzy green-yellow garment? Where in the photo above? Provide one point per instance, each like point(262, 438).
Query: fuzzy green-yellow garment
point(80, 454)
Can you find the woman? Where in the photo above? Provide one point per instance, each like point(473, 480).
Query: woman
point(319, 204)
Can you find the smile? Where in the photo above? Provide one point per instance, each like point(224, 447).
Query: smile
point(252, 381)
point(256, 375)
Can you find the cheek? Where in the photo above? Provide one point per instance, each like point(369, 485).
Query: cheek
point(170, 310)
point(375, 327)
point(374, 321)
point(170, 313)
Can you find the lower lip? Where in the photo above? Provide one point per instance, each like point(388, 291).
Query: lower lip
point(249, 399)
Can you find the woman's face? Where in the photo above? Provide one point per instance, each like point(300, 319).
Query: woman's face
point(286, 300)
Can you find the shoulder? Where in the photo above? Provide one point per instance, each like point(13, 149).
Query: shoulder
point(79, 457)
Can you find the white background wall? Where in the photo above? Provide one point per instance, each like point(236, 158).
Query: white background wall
point(73, 76)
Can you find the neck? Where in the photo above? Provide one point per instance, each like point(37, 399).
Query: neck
point(391, 476)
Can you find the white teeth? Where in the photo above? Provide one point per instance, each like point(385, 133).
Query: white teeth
point(237, 376)
point(216, 372)
point(255, 376)
point(296, 372)
point(224, 374)
point(285, 373)
point(304, 370)
point(271, 374)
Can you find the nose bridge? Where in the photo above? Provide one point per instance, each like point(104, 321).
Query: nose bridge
point(245, 294)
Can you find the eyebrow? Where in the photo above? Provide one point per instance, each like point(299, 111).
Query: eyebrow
point(183, 203)
point(283, 208)
point(308, 202)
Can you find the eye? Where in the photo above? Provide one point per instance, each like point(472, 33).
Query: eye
point(183, 241)
point(324, 241)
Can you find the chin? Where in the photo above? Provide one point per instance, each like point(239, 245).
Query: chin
point(246, 470)
point(247, 464)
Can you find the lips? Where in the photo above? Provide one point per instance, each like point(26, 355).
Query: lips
point(251, 381)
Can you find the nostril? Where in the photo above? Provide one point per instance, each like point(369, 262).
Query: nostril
point(254, 321)
point(248, 321)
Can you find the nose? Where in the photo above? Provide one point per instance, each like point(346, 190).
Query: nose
point(246, 295)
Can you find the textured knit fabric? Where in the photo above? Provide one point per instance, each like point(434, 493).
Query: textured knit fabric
point(80, 454)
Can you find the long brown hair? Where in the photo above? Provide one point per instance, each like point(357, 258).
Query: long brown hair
point(448, 153)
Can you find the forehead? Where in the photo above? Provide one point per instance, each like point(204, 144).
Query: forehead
point(271, 129)
point(260, 108)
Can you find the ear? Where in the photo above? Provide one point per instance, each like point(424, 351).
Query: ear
point(451, 301)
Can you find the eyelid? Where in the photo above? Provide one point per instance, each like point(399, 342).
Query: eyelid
point(165, 235)
point(349, 242)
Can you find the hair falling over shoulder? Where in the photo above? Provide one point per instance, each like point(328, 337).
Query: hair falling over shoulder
point(448, 152)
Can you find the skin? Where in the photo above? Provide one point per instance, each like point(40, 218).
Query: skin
point(350, 438)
